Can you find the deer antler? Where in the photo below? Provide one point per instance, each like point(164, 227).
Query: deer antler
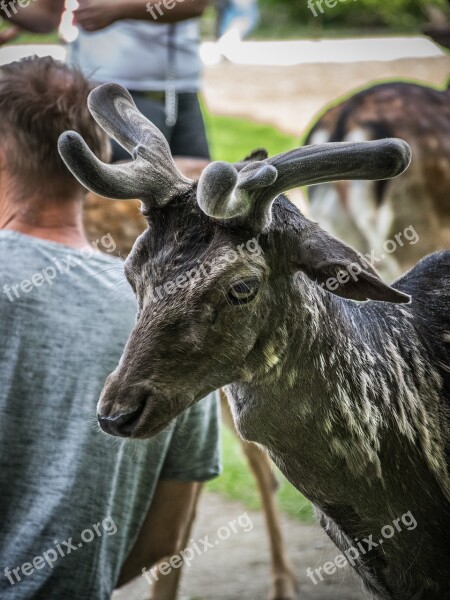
point(152, 176)
point(223, 193)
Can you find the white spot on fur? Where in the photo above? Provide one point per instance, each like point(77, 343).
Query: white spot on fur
point(321, 136)
point(270, 356)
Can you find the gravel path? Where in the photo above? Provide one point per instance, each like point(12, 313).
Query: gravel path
point(238, 568)
point(289, 97)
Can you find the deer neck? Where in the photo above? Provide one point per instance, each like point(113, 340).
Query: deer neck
point(307, 348)
point(341, 386)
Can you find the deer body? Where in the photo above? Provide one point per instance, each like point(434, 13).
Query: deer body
point(365, 213)
point(351, 414)
point(344, 379)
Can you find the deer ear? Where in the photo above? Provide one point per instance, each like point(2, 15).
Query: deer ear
point(340, 270)
point(256, 156)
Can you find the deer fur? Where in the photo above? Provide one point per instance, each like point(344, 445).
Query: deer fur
point(366, 213)
point(346, 385)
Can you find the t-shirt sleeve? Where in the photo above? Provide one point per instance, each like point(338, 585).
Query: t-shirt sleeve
point(194, 452)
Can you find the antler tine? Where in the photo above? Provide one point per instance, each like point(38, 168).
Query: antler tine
point(152, 176)
point(109, 181)
point(259, 184)
point(321, 163)
point(114, 109)
point(379, 159)
point(223, 193)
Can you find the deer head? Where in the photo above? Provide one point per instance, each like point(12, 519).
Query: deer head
point(221, 261)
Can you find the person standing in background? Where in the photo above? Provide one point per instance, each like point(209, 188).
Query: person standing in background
point(66, 312)
point(151, 49)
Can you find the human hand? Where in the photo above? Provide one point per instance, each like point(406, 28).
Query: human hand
point(94, 15)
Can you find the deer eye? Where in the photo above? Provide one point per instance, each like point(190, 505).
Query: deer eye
point(242, 292)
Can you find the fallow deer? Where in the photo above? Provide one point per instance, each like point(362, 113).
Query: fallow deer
point(344, 379)
point(365, 214)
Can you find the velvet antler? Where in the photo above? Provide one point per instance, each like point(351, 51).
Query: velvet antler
point(152, 176)
point(223, 193)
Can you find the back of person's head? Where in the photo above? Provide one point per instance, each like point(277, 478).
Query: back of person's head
point(40, 98)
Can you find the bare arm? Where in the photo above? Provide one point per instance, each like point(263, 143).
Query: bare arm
point(97, 14)
point(42, 16)
point(164, 530)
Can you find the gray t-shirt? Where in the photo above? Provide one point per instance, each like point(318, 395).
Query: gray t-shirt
point(72, 499)
point(141, 56)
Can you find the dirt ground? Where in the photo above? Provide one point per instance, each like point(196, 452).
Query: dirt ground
point(288, 98)
point(239, 568)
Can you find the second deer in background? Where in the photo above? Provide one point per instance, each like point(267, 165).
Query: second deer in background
point(366, 213)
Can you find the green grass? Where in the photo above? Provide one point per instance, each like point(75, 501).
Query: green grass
point(238, 483)
point(233, 139)
point(275, 30)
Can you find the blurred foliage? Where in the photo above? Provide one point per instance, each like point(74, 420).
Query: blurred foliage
point(396, 14)
point(37, 38)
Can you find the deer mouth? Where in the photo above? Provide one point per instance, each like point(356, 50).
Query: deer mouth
point(139, 410)
point(157, 414)
point(148, 417)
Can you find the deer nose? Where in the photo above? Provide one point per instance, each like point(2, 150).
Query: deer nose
point(121, 424)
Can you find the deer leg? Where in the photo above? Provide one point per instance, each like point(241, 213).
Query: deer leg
point(167, 586)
